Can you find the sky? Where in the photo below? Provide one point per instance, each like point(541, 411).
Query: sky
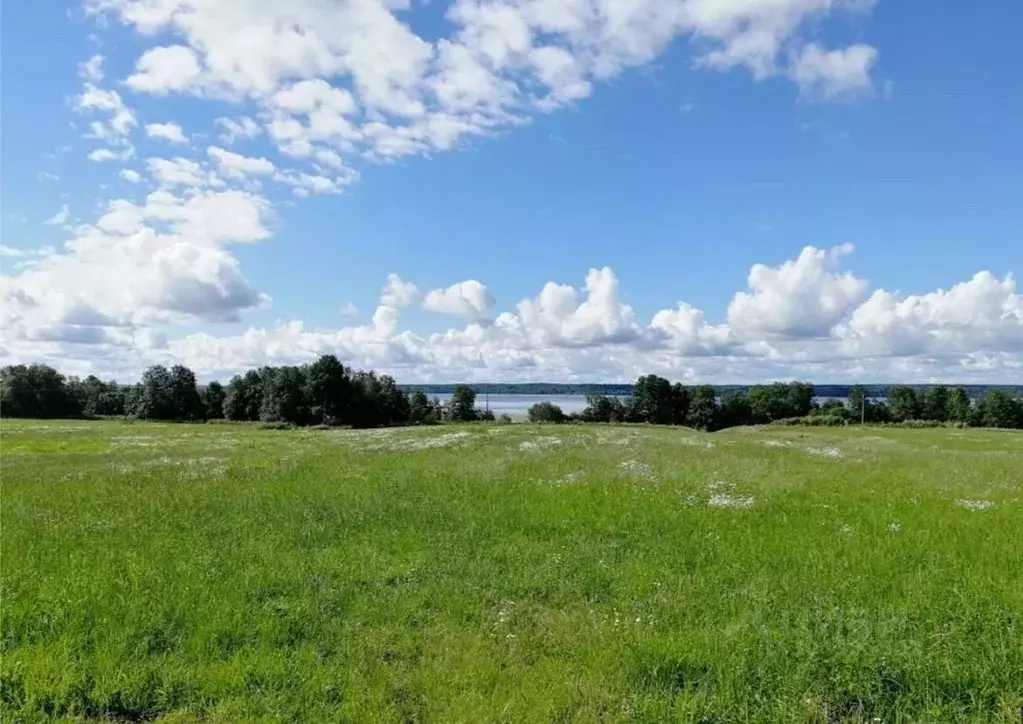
point(724, 191)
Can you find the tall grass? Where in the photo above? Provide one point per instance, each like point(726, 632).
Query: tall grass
point(510, 574)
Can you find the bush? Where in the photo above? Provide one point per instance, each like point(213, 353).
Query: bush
point(546, 412)
point(813, 421)
point(276, 426)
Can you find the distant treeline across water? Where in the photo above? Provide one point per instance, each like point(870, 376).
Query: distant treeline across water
point(877, 390)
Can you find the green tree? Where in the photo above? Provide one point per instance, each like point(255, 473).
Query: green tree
point(679, 404)
point(601, 408)
point(329, 387)
point(958, 405)
point(36, 391)
point(546, 411)
point(421, 410)
point(155, 398)
point(857, 403)
point(1000, 409)
point(903, 403)
point(735, 410)
point(651, 401)
point(213, 397)
point(703, 410)
point(236, 399)
point(284, 396)
point(936, 404)
point(185, 399)
point(462, 407)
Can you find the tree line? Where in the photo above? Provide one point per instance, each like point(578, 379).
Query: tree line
point(657, 401)
point(324, 392)
point(329, 393)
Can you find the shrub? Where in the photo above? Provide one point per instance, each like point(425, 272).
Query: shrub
point(546, 412)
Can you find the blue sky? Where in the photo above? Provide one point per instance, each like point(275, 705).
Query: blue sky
point(795, 189)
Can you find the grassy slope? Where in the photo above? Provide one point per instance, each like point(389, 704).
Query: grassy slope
point(242, 574)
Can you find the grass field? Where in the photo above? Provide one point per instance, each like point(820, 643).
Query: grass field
point(510, 574)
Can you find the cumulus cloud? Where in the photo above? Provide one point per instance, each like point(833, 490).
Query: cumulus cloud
point(468, 299)
point(398, 293)
point(356, 79)
point(171, 132)
point(801, 298)
point(130, 176)
point(165, 261)
point(833, 73)
point(165, 69)
point(170, 172)
point(236, 128)
point(235, 165)
point(971, 332)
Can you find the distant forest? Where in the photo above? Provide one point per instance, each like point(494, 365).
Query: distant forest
point(627, 390)
point(328, 393)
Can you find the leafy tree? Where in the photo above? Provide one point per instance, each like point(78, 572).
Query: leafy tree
point(958, 405)
point(651, 401)
point(155, 399)
point(328, 388)
point(735, 410)
point(185, 400)
point(999, 409)
point(421, 410)
point(831, 408)
point(935, 403)
point(462, 407)
point(283, 397)
point(36, 391)
point(96, 397)
point(857, 403)
point(679, 404)
point(213, 397)
point(236, 399)
point(703, 410)
point(903, 403)
point(546, 411)
point(600, 408)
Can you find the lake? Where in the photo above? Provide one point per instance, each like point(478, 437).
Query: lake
point(518, 405)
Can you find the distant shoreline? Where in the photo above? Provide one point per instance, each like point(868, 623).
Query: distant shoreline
point(624, 390)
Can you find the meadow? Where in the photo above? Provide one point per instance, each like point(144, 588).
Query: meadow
point(510, 573)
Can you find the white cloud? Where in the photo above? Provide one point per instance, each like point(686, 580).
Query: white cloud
point(60, 218)
point(171, 132)
point(398, 293)
point(240, 127)
point(802, 298)
point(972, 332)
point(179, 171)
point(47, 176)
point(129, 175)
point(105, 154)
point(304, 184)
point(162, 262)
point(91, 70)
point(165, 69)
point(468, 299)
point(833, 73)
point(349, 310)
point(117, 121)
point(237, 166)
point(354, 78)
point(983, 314)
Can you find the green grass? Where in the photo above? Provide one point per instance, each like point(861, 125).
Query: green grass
point(510, 574)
